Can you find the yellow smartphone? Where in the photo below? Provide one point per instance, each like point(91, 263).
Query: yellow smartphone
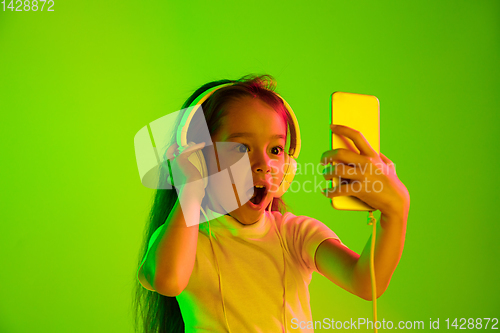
point(362, 113)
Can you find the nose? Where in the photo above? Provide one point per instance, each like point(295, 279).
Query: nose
point(261, 163)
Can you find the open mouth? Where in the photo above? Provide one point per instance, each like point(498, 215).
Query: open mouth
point(259, 193)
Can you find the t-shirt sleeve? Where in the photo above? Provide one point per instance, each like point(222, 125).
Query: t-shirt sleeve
point(140, 274)
point(305, 234)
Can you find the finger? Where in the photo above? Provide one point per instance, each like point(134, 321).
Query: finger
point(357, 137)
point(341, 170)
point(348, 143)
point(384, 158)
point(190, 148)
point(169, 154)
point(342, 155)
point(338, 191)
point(387, 161)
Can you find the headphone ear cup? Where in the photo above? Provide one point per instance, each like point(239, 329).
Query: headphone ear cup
point(198, 160)
point(288, 176)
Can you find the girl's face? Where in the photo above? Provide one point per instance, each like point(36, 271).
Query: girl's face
point(250, 126)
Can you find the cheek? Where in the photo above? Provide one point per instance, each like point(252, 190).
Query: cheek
point(277, 169)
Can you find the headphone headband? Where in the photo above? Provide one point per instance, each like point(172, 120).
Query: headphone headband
point(295, 141)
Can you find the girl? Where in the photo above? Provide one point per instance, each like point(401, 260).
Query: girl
point(248, 269)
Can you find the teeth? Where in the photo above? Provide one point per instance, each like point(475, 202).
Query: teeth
point(259, 186)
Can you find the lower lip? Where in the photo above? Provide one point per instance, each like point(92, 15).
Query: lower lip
point(257, 207)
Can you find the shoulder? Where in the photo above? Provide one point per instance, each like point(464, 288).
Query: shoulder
point(289, 222)
point(289, 218)
point(302, 236)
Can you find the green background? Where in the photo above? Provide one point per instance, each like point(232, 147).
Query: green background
point(78, 83)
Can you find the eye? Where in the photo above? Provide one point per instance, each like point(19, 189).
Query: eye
point(241, 148)
point(277, 150)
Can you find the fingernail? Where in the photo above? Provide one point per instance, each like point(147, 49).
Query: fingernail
point(325, 193)
point(328, 168)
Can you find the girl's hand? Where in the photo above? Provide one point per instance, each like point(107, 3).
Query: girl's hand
point(373, 176)
point(183, 171)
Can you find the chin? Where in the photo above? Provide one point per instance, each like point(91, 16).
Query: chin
point(250, 213)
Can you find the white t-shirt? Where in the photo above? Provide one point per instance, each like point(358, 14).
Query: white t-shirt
point(250, 259)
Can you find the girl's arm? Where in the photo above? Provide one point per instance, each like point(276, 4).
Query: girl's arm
point(170, 259)
point(351, 271)
point(341, 265)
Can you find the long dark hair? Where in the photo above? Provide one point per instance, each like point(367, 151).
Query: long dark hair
point(156, 313)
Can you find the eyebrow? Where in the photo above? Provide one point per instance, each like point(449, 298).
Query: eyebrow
point(250, 135)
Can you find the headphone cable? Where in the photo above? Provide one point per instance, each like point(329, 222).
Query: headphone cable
point(217, 265)
point(284, 268)
point(220, 275)
point(373, 222)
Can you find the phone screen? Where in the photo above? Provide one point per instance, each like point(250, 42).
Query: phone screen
point(362, 113)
